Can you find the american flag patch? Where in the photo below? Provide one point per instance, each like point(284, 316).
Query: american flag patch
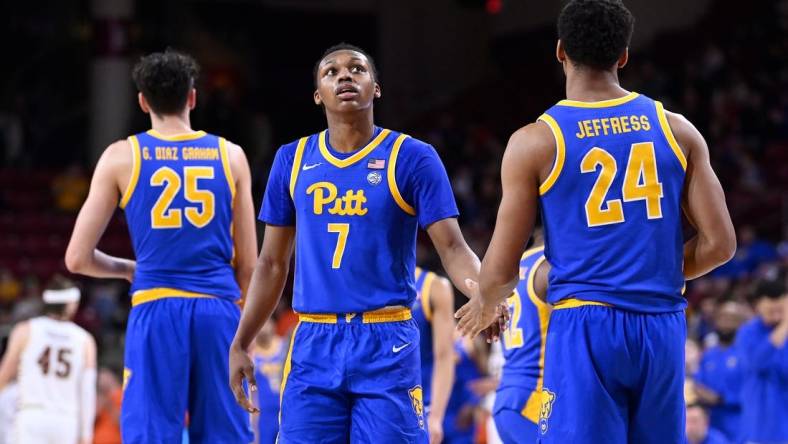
point(376, 164)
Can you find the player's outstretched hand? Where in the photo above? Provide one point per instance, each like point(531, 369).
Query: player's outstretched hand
point(495, 330)
point(241, 368)
point(475, 315)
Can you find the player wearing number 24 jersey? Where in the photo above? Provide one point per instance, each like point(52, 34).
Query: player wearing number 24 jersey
point(611, 171)
point(350, 199)
point(187, 199)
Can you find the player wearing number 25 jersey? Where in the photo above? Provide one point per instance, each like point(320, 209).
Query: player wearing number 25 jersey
point(187, 200)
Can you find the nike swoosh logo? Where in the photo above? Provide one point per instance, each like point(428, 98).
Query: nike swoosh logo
point(396, 349)
point(309, 167)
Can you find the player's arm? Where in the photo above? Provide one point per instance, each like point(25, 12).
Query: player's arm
point(265, 289)
point(87, 408)
point(528, 152)
point(704, 204)
point(82, 256)
point(457, 258)
point(244, 234)
point(442, 301)
point(10, 363)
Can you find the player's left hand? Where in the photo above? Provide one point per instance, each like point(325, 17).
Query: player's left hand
point(475, 315)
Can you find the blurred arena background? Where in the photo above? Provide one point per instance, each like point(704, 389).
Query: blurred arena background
point(460, 74)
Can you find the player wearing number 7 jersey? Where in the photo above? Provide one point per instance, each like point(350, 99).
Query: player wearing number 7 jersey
point(611, 171)
point(187, 199)
point(351, 200)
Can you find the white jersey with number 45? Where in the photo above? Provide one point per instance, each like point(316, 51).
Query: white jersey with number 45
point(51, 366)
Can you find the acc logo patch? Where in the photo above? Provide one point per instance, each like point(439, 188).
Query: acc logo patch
point(546, 410)
point(417, 401)
point(374, 178)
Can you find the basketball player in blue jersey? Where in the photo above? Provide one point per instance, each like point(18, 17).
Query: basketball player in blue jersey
point(187, 199)
point(517, 400)
point(612, 172)
point(432, 311)
point(350, 199)
point(269, 357)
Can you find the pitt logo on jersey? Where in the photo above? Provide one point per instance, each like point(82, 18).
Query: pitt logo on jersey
point(548, 398)
point(326, 193)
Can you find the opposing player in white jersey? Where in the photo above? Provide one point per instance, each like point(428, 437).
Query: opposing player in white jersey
point(54, 362)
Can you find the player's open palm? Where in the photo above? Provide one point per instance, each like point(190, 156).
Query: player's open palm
point(435, 426)
point(241, 367)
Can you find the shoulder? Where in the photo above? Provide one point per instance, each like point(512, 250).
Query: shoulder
point(686, 134)
point(22, 329)
point(286, 153)
point(413, 148)
point(118, 156)
point(750, 328)
point(533, 137)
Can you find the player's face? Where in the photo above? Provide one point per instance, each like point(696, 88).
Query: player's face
point(345, 82)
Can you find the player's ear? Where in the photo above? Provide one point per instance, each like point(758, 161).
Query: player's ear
point(624, 58)
point(191, 99)
point(560, 54)
point(378, 91)
point(143, 103)
point(318, 99)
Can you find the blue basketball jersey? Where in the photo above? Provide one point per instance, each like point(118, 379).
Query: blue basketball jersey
point(524, 342)
point(422, 314)
point(178, 206)
point(611, 206)
point(268, 367)
point(356, 216)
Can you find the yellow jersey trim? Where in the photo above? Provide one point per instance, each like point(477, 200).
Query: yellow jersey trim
point(392, 178)
point(135, 171)
point(560, 153)
point(426, 289)
point(574, 303)
point(418, 272)
point(154, 294)
point(299, 154)
point(176, 137)
point(286, 368)
point(533, 405)
point(674, 145)
point(228, 171)
point(368, 317)
point(601, 104)
point(358, 155)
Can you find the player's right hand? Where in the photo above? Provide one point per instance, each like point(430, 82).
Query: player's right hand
point(241, 367)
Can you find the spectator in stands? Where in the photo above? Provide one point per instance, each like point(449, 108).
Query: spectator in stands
point(109, 395)
point(10, 287)
point(70, 188)
point(763, 357)
point(718, 380)
point(698, 430)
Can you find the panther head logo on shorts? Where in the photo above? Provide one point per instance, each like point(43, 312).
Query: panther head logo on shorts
point(417, 401)
point(546, 410)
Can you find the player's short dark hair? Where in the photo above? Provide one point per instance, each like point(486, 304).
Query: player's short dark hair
point(346, 47)
point(165, 79)
point(595, 33)
point(57, 282)
point(769, 288)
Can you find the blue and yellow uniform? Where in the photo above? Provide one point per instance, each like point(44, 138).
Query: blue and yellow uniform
point(178, 206)
point(611, 210)
point(422, 314)
point(517, 401)
point(352, 372)
point(458, 426)
point(268, 366)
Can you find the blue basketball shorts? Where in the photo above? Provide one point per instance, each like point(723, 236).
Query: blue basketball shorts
point(176, 361)
point(353, 378)
point(613, 376)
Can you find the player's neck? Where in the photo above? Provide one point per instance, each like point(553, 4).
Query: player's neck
point(348, 133)
point(55, 317)
point(171, 124)
point(587, 85)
